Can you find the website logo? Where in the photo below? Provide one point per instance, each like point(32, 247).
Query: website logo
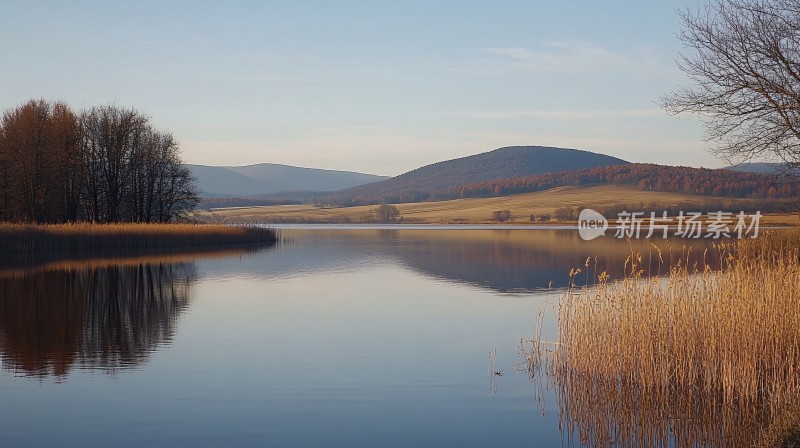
point(591, 224)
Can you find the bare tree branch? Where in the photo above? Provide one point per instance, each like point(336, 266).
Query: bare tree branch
point(743, 61)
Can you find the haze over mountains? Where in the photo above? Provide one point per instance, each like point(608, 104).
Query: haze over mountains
point(764, 168)
point(501, 172)
point(266, 178)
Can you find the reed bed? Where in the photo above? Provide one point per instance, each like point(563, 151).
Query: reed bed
point(699, 357)
point(32, 242)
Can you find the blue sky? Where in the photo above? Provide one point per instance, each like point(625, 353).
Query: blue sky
point(372, 86)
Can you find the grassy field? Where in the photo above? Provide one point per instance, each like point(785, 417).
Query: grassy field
point(479, 210)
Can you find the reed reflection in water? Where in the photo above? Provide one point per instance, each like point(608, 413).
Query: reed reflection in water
point(103, 317)
point(598, 412)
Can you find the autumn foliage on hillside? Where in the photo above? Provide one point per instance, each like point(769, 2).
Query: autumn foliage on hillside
point(673, 179)
point(650, 177)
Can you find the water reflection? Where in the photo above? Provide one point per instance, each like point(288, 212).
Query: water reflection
point(95, 313)
point(515, 260)
point(108, 317)
point(248, 364)
point(609, 413)
point(112, 313)
point(511, 261)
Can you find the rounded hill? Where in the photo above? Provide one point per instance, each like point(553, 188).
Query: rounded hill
point(432, 180)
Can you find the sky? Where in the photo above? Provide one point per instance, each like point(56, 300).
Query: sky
point(379, 87)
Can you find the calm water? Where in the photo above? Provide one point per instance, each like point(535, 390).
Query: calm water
point(338, 337)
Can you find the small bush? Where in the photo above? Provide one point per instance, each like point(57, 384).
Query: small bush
point(501, 215)
point(565, 213)
point(387, 213)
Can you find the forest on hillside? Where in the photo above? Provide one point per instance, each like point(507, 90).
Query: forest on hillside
point(672, 179)
point(651, 177)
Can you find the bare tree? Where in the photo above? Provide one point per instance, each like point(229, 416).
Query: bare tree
point(743, 61)
point(133, 172)
point(176, 188)
point(112, 138)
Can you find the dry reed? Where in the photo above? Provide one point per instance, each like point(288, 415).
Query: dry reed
point(697, 358)
point(29, 242)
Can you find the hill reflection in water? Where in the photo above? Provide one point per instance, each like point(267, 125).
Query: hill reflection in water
point(508, 261)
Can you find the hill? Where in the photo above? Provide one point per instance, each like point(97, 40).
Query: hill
point(270, 178)
point(436, 180)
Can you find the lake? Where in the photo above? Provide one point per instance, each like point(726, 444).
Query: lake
point(339, 336)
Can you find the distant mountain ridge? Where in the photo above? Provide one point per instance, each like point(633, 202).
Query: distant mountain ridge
point(501, 172)
point(428, 182)
point(764, 168)
point(269, 178)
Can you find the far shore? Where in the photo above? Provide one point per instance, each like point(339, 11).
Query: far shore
point(538, 208)
point(767, 220)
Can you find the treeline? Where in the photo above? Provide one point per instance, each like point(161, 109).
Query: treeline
point(674, 179)
point(104, 164)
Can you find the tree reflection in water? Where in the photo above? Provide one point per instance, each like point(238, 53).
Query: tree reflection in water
point(109, 317)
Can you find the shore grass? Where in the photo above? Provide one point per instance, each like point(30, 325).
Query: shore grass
point(696, 358)
point(26, 242)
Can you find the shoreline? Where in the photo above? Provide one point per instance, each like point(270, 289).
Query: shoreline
point(38, 242)
point(774, 222)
